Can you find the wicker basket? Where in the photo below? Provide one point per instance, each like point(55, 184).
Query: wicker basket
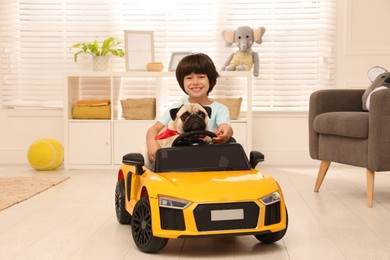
point(233, 104)
point(154, 66)
point(139, 108)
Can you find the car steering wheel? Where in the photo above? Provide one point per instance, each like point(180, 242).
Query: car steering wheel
point(192, 138)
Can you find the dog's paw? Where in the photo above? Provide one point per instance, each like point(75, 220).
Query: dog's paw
point(208, 139)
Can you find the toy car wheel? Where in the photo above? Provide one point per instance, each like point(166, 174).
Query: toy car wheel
point(141, 227)
point(120, 198)
point(273, 237)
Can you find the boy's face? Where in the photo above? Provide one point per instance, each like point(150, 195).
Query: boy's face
point(196, 85)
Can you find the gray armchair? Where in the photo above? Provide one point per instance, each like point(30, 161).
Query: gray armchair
point(340, 131)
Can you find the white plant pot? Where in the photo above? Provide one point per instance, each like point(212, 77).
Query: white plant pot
point(100, 63)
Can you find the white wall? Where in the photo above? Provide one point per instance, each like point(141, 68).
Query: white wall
point(362, 42)
point(282, 138)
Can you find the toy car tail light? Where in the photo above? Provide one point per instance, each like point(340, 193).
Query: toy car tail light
point(172, 203)
point(270, 199)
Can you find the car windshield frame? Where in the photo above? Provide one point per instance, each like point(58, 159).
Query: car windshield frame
point(201, 158)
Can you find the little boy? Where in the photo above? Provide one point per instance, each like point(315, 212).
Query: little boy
point(197, 76)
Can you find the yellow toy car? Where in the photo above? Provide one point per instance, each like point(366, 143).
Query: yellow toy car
point(198, 190)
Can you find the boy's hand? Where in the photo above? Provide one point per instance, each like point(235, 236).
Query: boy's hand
point(152, 148)
point(223, 133)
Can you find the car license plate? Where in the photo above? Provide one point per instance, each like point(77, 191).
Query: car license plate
point(227, 214)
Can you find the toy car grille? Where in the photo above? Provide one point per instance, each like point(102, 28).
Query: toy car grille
point(172, 219)
point(226, 216)
point(272, 214)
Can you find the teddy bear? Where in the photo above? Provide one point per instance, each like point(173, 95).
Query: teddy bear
point(244, 58)
point(380, 79)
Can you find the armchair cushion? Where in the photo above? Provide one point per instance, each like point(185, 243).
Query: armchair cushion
point(348, 124)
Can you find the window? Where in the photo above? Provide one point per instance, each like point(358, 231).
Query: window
point(296, 56)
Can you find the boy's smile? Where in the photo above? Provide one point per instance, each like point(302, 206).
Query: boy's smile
point(196, 88)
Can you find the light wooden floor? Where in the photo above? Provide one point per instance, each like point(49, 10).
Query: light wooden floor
point(76, 220)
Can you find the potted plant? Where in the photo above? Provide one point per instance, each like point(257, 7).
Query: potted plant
point(99, 54)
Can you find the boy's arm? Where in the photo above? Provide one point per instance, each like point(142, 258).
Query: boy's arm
point(151, 143)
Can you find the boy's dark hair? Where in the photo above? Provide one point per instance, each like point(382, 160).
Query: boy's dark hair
point(198, 63)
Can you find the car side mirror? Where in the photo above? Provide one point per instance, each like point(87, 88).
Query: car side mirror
point(134, 159)
point(255, 157)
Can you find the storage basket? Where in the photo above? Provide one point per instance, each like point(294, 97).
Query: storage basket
point(139, 108)
point(233, 104)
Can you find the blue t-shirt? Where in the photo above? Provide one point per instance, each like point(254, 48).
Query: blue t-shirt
point(219, 114)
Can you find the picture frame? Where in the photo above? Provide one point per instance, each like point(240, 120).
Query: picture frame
point(176, 58)
point(139, 49)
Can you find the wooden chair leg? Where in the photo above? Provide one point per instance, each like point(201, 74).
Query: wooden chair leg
point(321, 174)
point(370, 187)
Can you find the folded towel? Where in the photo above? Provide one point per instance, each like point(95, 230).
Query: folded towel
point(93, 102)
point(94, 112)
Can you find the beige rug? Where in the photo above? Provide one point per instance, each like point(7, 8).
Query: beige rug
point(16, 189)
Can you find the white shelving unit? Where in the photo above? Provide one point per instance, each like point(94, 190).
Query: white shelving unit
point(99, 144)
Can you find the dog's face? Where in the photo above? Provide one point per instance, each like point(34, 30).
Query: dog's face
point(190, 117)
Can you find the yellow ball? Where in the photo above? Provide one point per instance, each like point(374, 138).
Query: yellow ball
point(45, 154)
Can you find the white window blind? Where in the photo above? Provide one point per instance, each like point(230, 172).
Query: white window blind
point(296, 56)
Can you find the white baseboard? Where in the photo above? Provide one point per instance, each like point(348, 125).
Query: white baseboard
point(288, 158)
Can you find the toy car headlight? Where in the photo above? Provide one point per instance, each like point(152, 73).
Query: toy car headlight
point(172, 203)
point(271, 198)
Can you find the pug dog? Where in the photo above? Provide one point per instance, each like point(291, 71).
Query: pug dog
point(191, 117)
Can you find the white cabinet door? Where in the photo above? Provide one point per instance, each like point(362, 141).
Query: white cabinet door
point(89, 143)
point(129, 137)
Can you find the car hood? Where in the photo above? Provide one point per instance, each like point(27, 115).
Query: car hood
point(214, 186)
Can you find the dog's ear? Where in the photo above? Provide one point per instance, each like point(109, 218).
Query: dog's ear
point(173, 112)
point(208, 110)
